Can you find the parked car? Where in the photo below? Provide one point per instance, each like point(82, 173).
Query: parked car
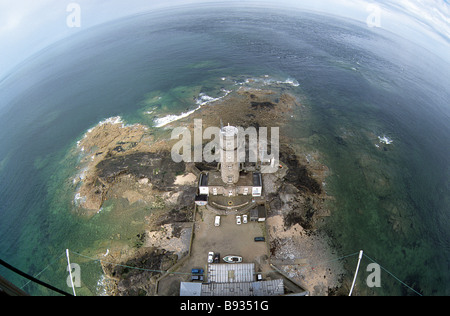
point(197, 271)
point(259, 239)
point(197, 278)
point(238, 219)
point(210, 257)
point(244, 219)
point(217, 258)
point(217, 221)
point(232, 259)
point(197, 274)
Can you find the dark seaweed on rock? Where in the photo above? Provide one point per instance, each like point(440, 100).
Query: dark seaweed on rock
point(159, 168)
point(135, 274)
point(302, 215)
point(262, 105)
point(297, 174)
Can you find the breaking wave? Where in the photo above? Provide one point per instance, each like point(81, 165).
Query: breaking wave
point(160, 122)
point(385, 140)
point(204, 99)
point(201, 100)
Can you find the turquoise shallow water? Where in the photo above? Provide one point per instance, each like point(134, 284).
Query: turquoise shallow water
point(379, 116)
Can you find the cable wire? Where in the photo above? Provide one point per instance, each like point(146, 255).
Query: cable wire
point(38, 274)
point(390, 273)
point(126, 266)
point(29, 277)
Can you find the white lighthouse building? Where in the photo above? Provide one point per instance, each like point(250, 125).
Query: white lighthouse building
point(230, 186)
point(229, 164)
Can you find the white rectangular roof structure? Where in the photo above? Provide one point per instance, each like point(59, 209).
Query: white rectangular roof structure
point(256, 288)
point(231, 272)
point(232, 279)
point(190, 289)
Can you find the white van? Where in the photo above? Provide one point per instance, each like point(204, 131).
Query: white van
point(217, 221)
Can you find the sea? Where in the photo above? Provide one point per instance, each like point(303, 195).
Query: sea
point(378, 114)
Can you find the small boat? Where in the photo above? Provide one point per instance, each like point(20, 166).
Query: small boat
point(232, 259)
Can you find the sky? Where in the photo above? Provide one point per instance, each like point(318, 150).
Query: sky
point(28, 26)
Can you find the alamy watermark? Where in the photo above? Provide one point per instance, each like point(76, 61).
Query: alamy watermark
point(374, 18)
point(228, 144)
point(374, 278)
point(74, 272)
point(73, 19)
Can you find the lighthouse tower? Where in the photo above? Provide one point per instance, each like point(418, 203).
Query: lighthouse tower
point(229, 154)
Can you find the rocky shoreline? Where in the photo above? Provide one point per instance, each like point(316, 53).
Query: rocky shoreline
point(129, 162)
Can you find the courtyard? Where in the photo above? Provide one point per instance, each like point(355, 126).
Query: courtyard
point(227, 239)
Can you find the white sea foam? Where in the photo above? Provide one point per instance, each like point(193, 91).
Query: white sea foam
point(78, 199)
point(160, 122)
point(267, 81)
point(111, 120)
point(289, 81)
point(102, 286)
point(202, 100)
point(385, 140)
point(80, 176)
point(152, 110)
point(205, 99)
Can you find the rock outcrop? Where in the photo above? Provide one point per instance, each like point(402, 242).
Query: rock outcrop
point(128, 162)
